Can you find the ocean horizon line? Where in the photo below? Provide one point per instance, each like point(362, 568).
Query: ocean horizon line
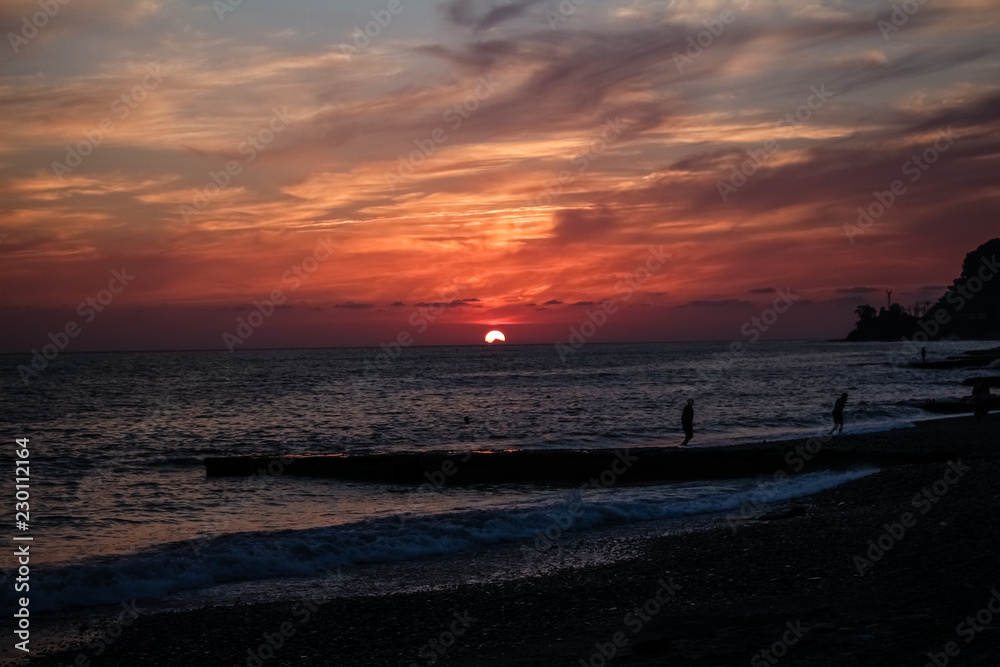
point(477, 345)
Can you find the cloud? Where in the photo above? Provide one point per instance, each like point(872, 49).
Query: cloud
point(578, 225)
point(981, 112)
point(716, 303)
point(856, 290)
point(485, 14)
point(471, 207)
point(456, 303)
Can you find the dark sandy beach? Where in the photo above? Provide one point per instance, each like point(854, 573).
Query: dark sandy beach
point(881, 571)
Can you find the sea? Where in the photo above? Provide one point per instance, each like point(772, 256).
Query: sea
point(121, 509)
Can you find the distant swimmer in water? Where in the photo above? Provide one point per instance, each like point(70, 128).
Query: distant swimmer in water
point(687, 421)
point(838, 414)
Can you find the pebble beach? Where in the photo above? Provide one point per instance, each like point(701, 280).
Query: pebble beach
point(897, 568)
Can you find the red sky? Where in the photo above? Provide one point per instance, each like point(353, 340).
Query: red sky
point(513, 162)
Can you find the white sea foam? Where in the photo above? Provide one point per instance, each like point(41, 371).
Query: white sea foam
point(155, 573)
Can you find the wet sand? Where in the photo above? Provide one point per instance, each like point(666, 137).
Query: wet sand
point(880, 571)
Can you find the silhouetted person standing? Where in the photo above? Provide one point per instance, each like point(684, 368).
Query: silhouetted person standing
point(923, 355)
point(838, 413)
point(687, 421)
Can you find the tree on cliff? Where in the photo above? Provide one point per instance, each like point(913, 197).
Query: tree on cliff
point(969, 309)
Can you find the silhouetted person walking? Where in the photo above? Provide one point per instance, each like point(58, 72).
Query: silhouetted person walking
point(687, 421)
point(838, 413)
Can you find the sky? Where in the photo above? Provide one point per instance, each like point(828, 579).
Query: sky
point(236, 175)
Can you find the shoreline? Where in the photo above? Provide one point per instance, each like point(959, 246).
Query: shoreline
point(733, 588)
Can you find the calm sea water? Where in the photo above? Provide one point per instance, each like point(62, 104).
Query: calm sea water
point(121, 507)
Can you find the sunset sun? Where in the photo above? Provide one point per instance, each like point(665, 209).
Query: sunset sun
point(495, 336)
